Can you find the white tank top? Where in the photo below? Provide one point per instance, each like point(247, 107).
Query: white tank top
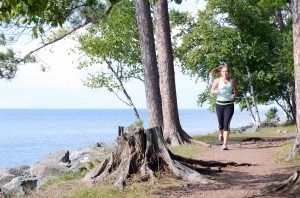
point(228, 87)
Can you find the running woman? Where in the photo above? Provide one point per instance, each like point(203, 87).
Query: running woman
point(226, 90)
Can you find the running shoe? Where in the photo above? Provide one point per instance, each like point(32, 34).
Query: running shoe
point(221, 138)
point(224, 147)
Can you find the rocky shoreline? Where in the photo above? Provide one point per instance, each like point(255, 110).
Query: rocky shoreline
point(22, 180)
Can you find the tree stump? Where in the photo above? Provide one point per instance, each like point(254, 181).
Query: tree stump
point(141, 154)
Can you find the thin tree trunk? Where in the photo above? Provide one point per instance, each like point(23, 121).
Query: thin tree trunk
point(257, 118)
point(286, 109)
point(296, 41)
point(130, 102)
point(249, 108)
point(173, 132)
point(279, 19)
point(294, 105)
point(151, 76)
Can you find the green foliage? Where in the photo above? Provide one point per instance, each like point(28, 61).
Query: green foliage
point(137, 123)
point(272, 3)
point(38, 14)
point(271, 115)
point(35, 18)
point(112, 47)
point(9, 63)
point(240, 33)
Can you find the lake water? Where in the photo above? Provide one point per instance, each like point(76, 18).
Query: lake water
point(27, 135)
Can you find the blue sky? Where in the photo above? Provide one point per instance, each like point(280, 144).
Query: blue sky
point(61, 86)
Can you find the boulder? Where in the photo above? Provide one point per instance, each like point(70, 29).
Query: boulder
point(88, 157)
point(52, 165)
point(19, 186)
point(20, 171)
point(5, 178)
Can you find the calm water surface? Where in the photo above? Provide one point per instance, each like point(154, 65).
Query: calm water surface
point(27, 135)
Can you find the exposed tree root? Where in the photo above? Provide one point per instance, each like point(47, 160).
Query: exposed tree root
point(253, 139)
point(202, 163)
point(290, 187)
point(268, 139)
point(141, 154)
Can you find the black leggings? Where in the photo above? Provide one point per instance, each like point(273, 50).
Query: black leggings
point(224, 114)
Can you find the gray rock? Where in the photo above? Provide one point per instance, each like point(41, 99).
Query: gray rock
point(52, 165)
point(19, 186)
point(23, 179)
point(252, 130)
point(13, 188)
point(91, 156)
point(47, 170)
point(20, 171)
point(58, 156)
point(5, 178)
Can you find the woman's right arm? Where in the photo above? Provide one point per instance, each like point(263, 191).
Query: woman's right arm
point(213, 89)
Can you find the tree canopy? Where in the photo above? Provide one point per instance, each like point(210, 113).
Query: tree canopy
point(245, 35)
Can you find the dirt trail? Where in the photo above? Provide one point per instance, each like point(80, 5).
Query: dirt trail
point(240, 181)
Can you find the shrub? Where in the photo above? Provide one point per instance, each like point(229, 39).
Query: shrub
point(271, 116)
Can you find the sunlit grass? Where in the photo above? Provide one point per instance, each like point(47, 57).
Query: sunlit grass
point(107, 191)
point(282, 130)
point(189, 151)
point(282, 152)
point(64, 177)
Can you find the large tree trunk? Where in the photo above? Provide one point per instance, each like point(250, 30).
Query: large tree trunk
point(153, 97)
point(141, 153)
point(173, 132)
point(291, 187)
point(296, 41)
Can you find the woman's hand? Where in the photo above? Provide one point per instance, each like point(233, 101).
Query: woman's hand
point(223, 91)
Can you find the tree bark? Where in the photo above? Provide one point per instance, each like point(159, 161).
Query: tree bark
point(151, 76)
point(296, 41)
point(279, 19)
point(287, 188)
point(123, 89)
point(257, 117)
point(173, 132)
point(249, 108)
point(141, 153)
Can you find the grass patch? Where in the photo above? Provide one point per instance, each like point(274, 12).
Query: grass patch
point(107, 191)
point(281, 130)
point(64, 177)
point(282, 152)
point(189, 151)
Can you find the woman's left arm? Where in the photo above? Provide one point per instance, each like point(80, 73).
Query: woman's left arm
point(235, 89)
